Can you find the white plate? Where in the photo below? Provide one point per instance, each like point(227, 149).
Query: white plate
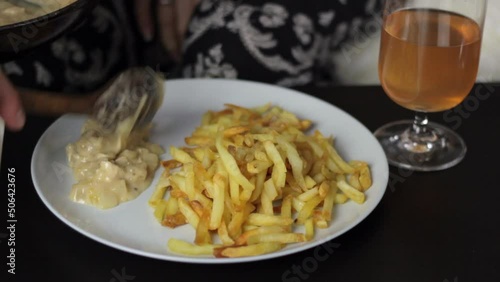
point(131, 226)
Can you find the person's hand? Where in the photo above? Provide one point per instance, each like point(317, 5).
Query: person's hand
point(173, 19)
point(11, 109)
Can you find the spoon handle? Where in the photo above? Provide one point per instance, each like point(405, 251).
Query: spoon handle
point(55, 104)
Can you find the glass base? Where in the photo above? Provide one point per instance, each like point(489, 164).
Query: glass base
point(442, 149)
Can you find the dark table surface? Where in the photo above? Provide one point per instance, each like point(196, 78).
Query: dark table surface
point(433, 227)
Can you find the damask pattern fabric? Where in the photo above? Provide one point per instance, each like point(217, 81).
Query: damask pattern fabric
point(284, 42)
point(86, 58)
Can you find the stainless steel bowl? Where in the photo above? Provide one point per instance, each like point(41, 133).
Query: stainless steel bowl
point(19, 38)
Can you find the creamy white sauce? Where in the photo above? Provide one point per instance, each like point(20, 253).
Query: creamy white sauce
point(112, 168)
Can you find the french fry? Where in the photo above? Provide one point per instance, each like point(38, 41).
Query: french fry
point(160, 208)
point(224, 235)
point(358, 165)
point(257, 166)
point(279, 171)
point(174, 220)
point(185, 248)
point(331, 165)
point(261, 156)
point(177, 193)
point(323, 189)
point(202, 199)
point(294, 160)
point(284, 238)
point(268, 220)
point(309, 194)
point(218, 203)
point(191, 216)
point(308, 159)
point(234, 191)
point(172, 206)
point(329, 201)
point(259, 186)
point(270, 189)
point(309, 229)
point(203, 236)
point(290, 180)
point(341, 198)
point(297, 204)
point(308, 208)
point(319, 177)
point(236, 223)
point(189, 187)
point(266, 203)
point(178, 181)
point(231, 165)
point(197, 207)
point(354, 181)
point(157, 195)
point(198, 141)
point(250, 176)
point(334, 155)
point(246, 193)
point(238, 140)
point(243, 238)
point(365, 178)
point(286, 207)
point(319, 221)
point(169, 165)
point(180, 156)
point(351, 192)
point(309, 182)
point(246, 251)
point(235, 130)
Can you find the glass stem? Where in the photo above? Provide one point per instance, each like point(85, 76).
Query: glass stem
point(420, 124)
point(420, 138)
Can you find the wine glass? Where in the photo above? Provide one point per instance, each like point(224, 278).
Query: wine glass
point(428, 62)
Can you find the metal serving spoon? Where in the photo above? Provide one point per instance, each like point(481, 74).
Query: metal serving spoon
point(136, 92)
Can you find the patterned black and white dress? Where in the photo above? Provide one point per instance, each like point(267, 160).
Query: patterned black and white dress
point(283, 42)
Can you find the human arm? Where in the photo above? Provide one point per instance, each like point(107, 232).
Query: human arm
point(11, 110)
point(14, 102)
point(172, 21)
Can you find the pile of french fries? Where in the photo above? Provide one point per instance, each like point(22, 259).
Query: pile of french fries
point(249, 179)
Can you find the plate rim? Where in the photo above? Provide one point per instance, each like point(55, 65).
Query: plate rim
point(211, 260)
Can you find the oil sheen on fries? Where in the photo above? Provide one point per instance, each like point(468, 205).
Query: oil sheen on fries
point(252, 177)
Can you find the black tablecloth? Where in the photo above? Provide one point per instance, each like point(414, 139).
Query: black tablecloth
point(434, 226)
